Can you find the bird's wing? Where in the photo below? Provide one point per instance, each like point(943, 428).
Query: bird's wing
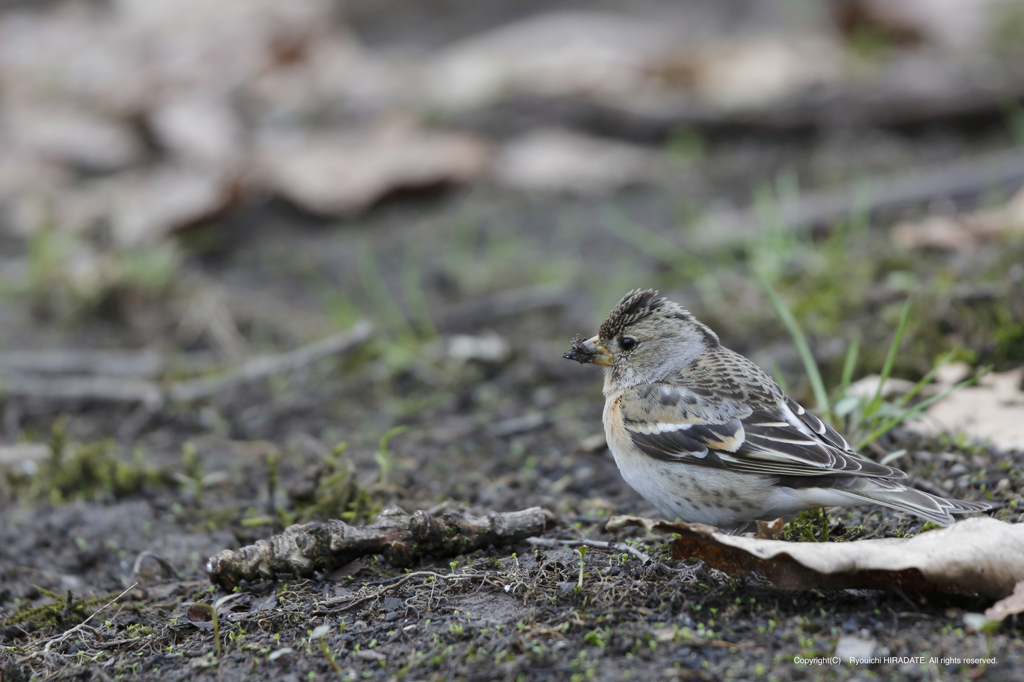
point(775, 437)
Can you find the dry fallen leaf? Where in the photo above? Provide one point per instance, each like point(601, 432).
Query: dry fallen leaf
point(559, 53)
point(769, 530)
point(199, 128)
point(553, 161)
point(336, 174)
point(979, 555)
point(866, 387)
point(74, 136)
point(141, 206)
point(629, 62)
point(146, 207)
point(963, 231)
point(959, 25)
point(754, 72)
point(1007, 606)
point(989, 411)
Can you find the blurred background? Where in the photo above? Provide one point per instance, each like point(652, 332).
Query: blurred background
point(206, 182)
point(200, 201)
point(239, 175)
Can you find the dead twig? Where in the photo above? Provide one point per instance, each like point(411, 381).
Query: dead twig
point(16, 379)
point(122, 363)
point(596, 544)
point(99, 388)
point(953, 92)
point(60, 638)
point(342, 604)
point(486, 310)
point(956, 181)
point(261, 368)
point(399, 537)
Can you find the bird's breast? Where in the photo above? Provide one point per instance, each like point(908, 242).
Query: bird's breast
point(690, 492)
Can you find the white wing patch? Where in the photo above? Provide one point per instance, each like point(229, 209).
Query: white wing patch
point(796, 422)
point(657, 427)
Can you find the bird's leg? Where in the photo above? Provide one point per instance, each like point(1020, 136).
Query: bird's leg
point(738, 530)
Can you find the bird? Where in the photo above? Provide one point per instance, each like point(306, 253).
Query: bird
point(708, 437)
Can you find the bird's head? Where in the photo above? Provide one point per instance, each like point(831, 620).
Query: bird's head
point(645, 338)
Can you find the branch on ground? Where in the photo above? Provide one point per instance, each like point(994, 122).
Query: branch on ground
point(399, 537)
point(49, 376)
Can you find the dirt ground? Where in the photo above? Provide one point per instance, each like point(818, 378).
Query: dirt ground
point(460, 400)
point(485, 434)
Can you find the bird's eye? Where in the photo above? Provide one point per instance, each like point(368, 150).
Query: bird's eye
point(627, 343)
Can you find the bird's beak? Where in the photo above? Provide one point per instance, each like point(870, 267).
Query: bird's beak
point(588, 350)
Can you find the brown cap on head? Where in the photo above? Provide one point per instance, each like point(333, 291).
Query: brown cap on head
point(641, 303)
point(636, 305)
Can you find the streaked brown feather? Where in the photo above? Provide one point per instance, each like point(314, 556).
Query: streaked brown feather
point(733, 408)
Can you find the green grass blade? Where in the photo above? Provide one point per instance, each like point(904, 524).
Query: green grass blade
point(654, 245)
point(890, 360)
point(925, 380)
point(892, 422)
point(779, 377)
point(800, 340)
point(849, 364)
point(383, 456)
point(859, 220)
point(339, 308)
point(413, 292)
point(377, 290)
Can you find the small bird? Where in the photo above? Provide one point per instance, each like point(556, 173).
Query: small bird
point(706, 436)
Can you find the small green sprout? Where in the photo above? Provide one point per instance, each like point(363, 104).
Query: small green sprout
point(582, 549)
point(383, 457)
point(213, 613)
point(319, 632)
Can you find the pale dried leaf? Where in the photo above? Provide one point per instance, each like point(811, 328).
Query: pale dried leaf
point(559, 161)
point(958, 25)
point(74, 136)
point(987, 412)
point(952, 374)
point(369, 655)
point(73, 209)
point(335, 174)
point(942, 233)
point(757, 71)
point(1007, 606)
point(567, 53)
point(866, 387)
point(487, 349)
point(24, 173)
point(962, 231)
point(979, 555)
point(628, 62)
point(146, 207)
point(199, 128)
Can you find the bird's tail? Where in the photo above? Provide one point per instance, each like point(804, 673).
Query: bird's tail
point(894, 495)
